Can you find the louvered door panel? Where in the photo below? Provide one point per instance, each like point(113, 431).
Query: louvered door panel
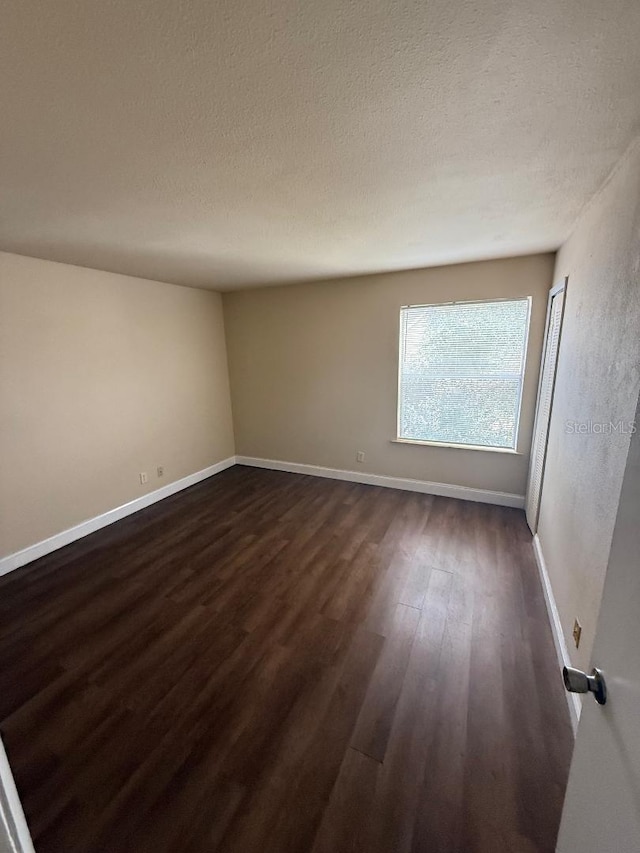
point(545, 402)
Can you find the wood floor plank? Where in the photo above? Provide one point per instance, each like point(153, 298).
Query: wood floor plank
point(399, 781)
point(276, 663)
point(346, 817)
point(378, 709)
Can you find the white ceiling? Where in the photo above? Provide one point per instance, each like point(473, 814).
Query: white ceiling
point(225, 143)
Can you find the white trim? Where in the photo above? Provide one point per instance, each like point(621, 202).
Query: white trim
point(444, 489)
point(13, 826)
point(561, 287)
point(573, 700)
point(46, 546)
point(483, 447)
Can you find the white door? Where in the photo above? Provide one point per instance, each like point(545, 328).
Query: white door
point(546, 386)
point(602, 807)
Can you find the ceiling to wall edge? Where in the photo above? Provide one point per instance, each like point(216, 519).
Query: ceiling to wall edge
point(297, 282)
point(373, 273)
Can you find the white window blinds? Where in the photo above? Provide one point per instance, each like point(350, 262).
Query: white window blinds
point(461, 372)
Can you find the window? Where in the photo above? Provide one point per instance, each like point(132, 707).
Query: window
point(461, 372)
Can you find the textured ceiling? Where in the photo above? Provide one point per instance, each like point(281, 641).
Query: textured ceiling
point(229, 143)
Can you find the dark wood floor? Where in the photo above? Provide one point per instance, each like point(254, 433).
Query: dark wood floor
point(272, 662)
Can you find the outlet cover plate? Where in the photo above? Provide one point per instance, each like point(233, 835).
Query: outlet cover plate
point(577, 633)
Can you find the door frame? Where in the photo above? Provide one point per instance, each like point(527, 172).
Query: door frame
point(555, 290)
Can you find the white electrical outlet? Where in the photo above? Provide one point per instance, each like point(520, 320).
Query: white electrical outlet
point(360, 456)
point(160, 470)
point(143, 477)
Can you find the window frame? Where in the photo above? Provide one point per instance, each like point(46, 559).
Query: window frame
point(399, 439)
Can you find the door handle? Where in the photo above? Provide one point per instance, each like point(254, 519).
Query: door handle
point(577, 681)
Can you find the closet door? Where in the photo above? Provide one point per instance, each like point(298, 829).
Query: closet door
point(555, 312)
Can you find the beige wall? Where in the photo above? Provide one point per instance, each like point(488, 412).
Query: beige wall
point(598, 380)
point(314, 370)
point(101, 377)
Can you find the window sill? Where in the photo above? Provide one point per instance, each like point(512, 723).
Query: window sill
point(508, 450)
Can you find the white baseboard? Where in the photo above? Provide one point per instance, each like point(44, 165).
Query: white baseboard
point(573, 700)
point(443, 489)
point(65, 537)
point(46, 546)
point(14, 832)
